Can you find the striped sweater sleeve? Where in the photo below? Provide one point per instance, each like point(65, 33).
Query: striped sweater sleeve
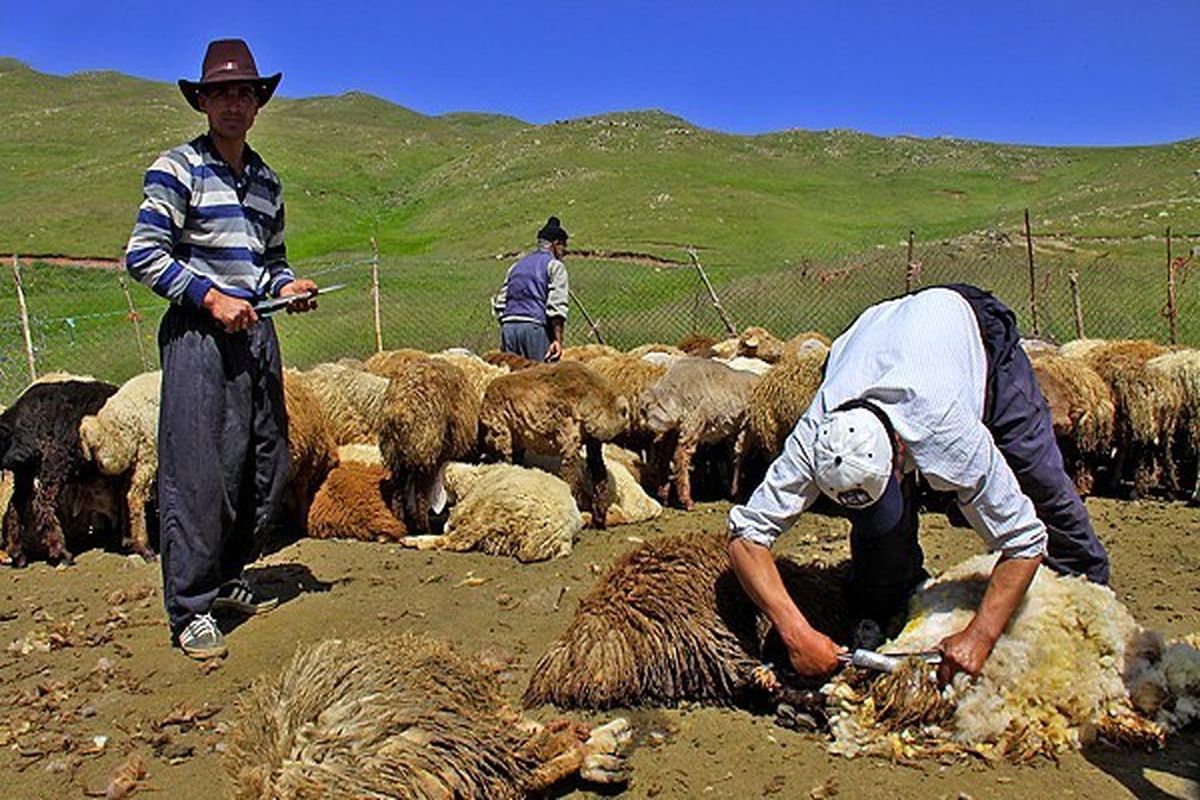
point(149, 256)
point(276, 253)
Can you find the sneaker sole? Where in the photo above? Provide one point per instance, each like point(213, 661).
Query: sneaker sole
point(248, 609)
point(204, 653)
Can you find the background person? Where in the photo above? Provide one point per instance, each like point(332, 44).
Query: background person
point(936, 382)
point(209, 238)
point(532, 303)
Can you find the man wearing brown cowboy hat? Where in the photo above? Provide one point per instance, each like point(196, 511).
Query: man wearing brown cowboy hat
point(209, 238)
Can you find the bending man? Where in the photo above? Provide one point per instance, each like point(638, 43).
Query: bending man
point(936, 382)
point(532, 303)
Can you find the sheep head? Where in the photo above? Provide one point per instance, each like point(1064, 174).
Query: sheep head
point(112, 450)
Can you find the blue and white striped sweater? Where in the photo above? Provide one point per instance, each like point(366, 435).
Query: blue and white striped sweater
point(193, 232)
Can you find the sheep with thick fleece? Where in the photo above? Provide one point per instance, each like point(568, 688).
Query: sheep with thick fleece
point(387, 363)
point(510, 361)
point(556, 409)
point(643, 350)
point(698, 401)
point(122, 439)
point(352, 400)
point(1082, 411)
point(402, 716)
point(1062, 671)
point(586, 352)
point(1148, 402)
point(1183, 366)
point(312, 449)
point(669, 622)
point(354, 502)
point(781, 397)
point(629, 377)
point(479, 372)
point(506, 510)
point(430, 417)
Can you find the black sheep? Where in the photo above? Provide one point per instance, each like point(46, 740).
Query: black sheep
point(57, 495)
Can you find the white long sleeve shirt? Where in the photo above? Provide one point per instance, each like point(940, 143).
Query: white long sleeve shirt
point(920, 358)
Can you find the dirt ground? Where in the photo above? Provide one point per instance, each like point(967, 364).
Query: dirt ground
point(87, 676)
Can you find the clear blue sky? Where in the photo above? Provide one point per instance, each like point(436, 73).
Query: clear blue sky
point(1049, 72)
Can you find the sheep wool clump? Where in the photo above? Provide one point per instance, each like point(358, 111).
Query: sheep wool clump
point(1059, 676)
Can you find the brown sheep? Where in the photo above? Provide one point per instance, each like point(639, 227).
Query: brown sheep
point(479, 372)
point(669, 622)
point(584, 353)
point(781, 397)
point(556, 409)
point(629, 377)
point(387, 363)
point(402, 716)
point(1184, 368)
point(430, 417)
point(352, 400)
point(1148, 402)
point(1082, 411)
point(645, 349)
point(354, 503)
point(312, 451)
point(512, 361)
point(698, 401)
point(698, 345)
point(756, 342)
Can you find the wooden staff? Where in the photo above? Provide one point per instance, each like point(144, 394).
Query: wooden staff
point(1076, 303)
point(1172, 310)
point(136, 319)
point(1033, 312)
point(595, 327)
point(375, 295)
point(729, 326)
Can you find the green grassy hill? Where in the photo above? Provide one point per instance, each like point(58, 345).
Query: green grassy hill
point(73, 150)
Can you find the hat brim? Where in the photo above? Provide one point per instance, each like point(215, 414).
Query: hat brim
point(882, 516)
point(264, 88)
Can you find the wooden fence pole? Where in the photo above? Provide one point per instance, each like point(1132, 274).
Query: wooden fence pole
point(595, 327)
point(375, 295)
point(1033, 311)
point(1076, 303)
point(729, 326)
point(1172, 310)
point(16, 270)
point(136, 319)
point(909, 273)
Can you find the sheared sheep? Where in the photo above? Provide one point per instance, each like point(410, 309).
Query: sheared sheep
point(387, 363)
point(352, 400)
point(556, 409)
point(506, 510)
point(430, 417)
point(312, 449)
point(122, 440)
point(1147, 403)
point(402, 716)
point(756, 342)
point(698, 401)
point(1082, 411)
point(354, 502)
point(57, 494)
point(1072, 662)
point(781, 398)
point(755, 366)
point(669, 622)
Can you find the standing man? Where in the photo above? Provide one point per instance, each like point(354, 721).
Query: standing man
point(532, 303)
point(209, 238)
point(937, 382)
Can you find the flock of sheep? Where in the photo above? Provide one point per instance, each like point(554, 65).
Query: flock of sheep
point(525, 456)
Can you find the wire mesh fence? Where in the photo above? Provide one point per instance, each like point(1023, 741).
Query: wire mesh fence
point(91, 320)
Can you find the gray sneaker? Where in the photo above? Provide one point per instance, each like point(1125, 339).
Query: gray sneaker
point(239, 596)
point(202, 639)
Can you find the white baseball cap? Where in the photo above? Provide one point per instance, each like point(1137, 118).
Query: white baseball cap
point(853, 457)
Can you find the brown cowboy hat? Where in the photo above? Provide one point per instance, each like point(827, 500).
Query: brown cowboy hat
point(226, 61)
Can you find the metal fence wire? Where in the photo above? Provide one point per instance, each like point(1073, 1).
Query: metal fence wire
point(94, 321)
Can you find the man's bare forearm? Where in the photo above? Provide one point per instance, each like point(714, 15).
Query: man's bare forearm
point(1005, 590)
point(756, 571)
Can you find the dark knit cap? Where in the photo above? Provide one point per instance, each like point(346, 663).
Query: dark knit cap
point(552, 231)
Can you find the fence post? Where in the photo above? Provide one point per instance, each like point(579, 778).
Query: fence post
point(1033, 312)
point(909, 267)
point(1076, 303)
point(1172, 310)
point(375, 294)
point(729, 326)
point(136, 319)
point(16, 270)
point(591, 322)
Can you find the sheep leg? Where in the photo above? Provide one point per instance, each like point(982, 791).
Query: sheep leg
point(15, 519)
point(681, 465)
point(139, 538)
point(416, 498)
point(739, 452)
point(48, 526)
point(601, 497)
point(659, 465)
point(569, 445)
